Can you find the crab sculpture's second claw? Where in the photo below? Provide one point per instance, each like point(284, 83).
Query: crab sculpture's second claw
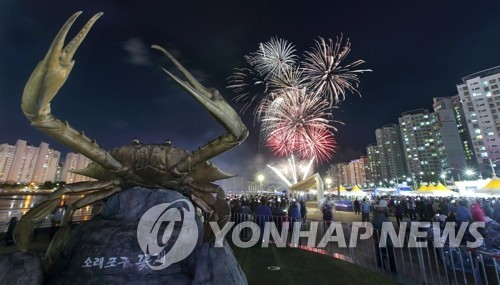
point(215, 104)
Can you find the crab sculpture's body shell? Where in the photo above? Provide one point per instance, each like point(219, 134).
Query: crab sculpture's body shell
point(150, 166)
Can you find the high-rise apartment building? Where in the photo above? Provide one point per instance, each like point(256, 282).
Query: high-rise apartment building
point(480, 97)
point(391, 154)
point(449, 146)
point(374, 166)
point(463, 131)
point(26, 164)
point(419, 143)
point(358, 172)
point(340, 174)
point(74, 161)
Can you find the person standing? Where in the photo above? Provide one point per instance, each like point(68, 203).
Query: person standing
point(357, 207)
point(398, 212)
point(294, 214)
point(327, 216)
point(365, 210)
point(303, 210)
point(387, 250)
point(263, 214)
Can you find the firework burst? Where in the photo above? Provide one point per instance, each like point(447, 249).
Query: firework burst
point(294, 98)
point(249, 86)
point(274, 57)
point(324, 73)
point(297, 122)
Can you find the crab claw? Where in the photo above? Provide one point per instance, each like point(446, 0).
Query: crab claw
point(51, 73)
point(209, 98)
point(44, 83)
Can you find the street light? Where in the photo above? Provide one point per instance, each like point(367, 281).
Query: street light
point(443, 175)
point(328, 180)
point(260, 177)
point(469, 173)
point(492, 164)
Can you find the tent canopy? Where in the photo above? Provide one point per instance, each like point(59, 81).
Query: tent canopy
point(356, 191)
point(492, 188)
point(435, 190)
point(423, 188)
point(305, 185)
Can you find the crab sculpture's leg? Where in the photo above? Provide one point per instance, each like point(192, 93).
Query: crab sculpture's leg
point(202, 196)
point(23, 231)
point(44, 83)
point(215, 104)
point(61, 237)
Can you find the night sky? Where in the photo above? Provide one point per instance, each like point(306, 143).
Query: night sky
point(117, 91)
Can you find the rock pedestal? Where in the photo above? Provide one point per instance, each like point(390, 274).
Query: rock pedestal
point(106, 250)
point(21, 268)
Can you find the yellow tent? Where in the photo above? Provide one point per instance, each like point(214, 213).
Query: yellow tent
point(356, 191)
point(440, 186)
point(431, 187)
point(342, 191)
point(435, 190)
point(423, 188)
point(492, 188)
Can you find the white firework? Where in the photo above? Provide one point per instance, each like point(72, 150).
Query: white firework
point(274, 57)
point(324, 73)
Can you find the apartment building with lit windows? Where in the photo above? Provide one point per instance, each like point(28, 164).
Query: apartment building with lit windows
point(463, 131)
point(480, 97)
point(22, 163)
point(373, 154)
point(359, 173)
point(391, 155)
point(419, 143)
point(74, 161)
point(450, 150)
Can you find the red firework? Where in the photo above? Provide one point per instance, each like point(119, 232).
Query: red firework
point(306, 143)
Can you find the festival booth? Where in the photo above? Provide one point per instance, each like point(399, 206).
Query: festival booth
point(435, 190)
point(312, 184)
point(343, 205)
point(355, 192)
point(381, 191)
point(492, 188)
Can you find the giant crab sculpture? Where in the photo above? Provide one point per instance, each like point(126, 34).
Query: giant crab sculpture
point(156, 166)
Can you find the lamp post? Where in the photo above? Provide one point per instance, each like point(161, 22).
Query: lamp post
point(260, 177)
point(493, 165)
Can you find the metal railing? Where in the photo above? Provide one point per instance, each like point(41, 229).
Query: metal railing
point(80, 215)
point(432, 264)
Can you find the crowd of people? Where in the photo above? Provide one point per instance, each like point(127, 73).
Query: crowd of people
point(420, 208)
point(439, 209)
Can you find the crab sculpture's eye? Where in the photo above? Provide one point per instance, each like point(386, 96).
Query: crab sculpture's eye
point(135, 141)
point(167, 142)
